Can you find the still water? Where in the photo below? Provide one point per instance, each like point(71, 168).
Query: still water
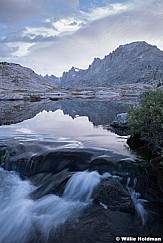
point(77, 132)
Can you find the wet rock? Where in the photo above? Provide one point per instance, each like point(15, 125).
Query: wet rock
point(159, 172)
point(123, 166)
point(146, 177)
point(55, 161)
point(156, 161)
point(49, 183)
point(29, 160)
point(152, 184)
point(3, 153)
point(96, 225)
point(111, 193)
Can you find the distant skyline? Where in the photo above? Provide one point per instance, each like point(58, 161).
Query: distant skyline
point(51, 36)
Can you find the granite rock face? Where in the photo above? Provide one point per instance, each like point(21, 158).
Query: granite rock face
point(137, 62)
point(120, 120)
point(14, 77)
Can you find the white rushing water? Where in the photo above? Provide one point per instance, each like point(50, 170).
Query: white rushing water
point(137, 201)
point(81, 185)
point(21, 217)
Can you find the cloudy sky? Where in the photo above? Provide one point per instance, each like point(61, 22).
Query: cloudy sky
point(51, 36)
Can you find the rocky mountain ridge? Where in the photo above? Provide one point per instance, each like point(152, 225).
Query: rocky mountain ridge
point(137, 62)
point(17, 78)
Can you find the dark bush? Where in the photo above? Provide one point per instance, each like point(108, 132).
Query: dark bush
point(146, 120)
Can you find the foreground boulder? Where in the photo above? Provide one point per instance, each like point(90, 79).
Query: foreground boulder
point(112, 194)
point(31, 159)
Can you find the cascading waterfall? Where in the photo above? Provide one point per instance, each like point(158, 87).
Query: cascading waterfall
point(22, 218)
point(137, 201)
point(81, 185)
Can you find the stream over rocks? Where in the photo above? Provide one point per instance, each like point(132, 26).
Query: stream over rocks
point(24, 219)
point(65, 179)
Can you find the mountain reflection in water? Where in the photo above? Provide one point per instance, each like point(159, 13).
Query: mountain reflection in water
point(77, 132)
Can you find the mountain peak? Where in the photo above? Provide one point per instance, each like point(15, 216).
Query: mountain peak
point(136, 62)
point(136, 44)
point(136, 48)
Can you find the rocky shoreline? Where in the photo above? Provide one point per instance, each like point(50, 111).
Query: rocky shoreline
point(120, 92)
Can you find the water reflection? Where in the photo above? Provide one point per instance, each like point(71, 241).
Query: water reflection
point(100, 112)
point(73, 132)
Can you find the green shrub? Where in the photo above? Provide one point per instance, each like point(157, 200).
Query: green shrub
point(146, 120)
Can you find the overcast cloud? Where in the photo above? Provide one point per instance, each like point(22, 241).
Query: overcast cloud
point(50, 36)
point(18, 10)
